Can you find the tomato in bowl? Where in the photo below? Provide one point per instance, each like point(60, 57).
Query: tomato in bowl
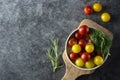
point(84, 53)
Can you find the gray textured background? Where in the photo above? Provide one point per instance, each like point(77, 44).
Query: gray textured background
point(28, 26)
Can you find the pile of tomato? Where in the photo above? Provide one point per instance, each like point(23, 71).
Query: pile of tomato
point(83, 53)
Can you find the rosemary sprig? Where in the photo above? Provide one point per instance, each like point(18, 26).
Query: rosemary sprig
point(53, 55)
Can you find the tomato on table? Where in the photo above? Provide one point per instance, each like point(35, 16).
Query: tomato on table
point(97, 7)
point(72, 41)
point(73, 56)
point(105, 17)
point(85, 56)
point(88, 10)
point(83, 30)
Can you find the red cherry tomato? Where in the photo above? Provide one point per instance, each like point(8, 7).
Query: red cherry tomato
point(83, 30)
point(88, 10)
point(81, 52)
point(82, 43)
point(93, 54)
point(72, 41)
point(99, 54)
point(85, 56)
point(90, 41)
point(78, 35)
point(73, 56)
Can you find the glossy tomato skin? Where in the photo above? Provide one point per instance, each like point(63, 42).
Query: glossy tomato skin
point(98, 60)
point(85, 56)
point(78, 35)
point(79, 62)
point(89, 64)
point(73, 56)
point(89, 48)
point(105, 17)
point(97, 7)
point(82, 42)
point(83, 30)
point(76, 48)
point(88, 10)
point(81, 52)
point(72, 41)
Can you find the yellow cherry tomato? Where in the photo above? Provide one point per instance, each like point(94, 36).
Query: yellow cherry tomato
point(89, 64)
point(105, 17)
point(79, 62)
point(76, 48)
point(89, 48)
point(98, 60)
point(97, 7)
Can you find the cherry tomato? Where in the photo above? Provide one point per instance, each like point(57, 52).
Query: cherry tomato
point(99, 54)
point(83, 30)
point(97, 7)
point(78, 35)
point(73, 56)
point(89, 48)
point(88, 10)
point(98, 60)
point(85, 56)
point(88, 39)
point(72, 41)
point(93, 54)
point(79, 62)
point(89, 64)
point(80, 53)
point(105, 17)
point(76, 48)
point(82, 43)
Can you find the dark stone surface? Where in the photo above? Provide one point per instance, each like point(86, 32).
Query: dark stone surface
point(28, 26)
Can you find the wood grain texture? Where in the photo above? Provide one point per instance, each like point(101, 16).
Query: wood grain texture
point(71, 71)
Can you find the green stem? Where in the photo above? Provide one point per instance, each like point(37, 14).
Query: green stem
point(54, 55)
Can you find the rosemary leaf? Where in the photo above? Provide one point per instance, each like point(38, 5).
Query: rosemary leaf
point(53, 55)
